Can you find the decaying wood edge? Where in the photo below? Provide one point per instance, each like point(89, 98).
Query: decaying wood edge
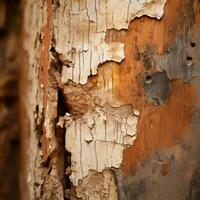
point(99, 78)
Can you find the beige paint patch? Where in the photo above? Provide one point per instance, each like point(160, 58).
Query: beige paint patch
point(82, 26)
point(97, 140)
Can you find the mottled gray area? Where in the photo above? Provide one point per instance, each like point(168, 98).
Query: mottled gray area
point(181, 181)
point(180, 62)
point(157, 87)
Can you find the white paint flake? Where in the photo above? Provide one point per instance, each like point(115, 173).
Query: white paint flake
point(82, 25)
point(97, 140)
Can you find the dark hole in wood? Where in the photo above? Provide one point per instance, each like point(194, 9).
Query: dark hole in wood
point(62, 107)
point(64, 161)
point(148, 79)
point(189, 58)
point(193, 44)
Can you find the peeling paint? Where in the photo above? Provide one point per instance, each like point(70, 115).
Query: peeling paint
point(94, 134)
point(97, 140)
point(99, 124)
point(82, 25)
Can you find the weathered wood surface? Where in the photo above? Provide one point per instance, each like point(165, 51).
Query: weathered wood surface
point(112, 99)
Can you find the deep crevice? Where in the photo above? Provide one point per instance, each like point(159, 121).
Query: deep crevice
point(189, 58)
point(62, 107)
point(193, 44)
point(64, 157)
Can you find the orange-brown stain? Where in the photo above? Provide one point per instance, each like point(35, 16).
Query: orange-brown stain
point(160, 127)
point(143, 32)
point(44, 66)
point(45, 46)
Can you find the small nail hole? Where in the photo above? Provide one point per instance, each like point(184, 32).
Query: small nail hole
point(148, 79)
point(192, 44)
point(189, 58)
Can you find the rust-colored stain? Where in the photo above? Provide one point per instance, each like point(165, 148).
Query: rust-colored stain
point(161, 127)
point(44, 63)
point(143, 32)
point(158, 127)
point(45, 44)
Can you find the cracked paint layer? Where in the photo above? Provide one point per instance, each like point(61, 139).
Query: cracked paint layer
point(97, 140)
point(82, 26)
point(96, 133)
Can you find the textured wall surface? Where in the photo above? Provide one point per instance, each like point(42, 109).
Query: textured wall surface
point(112, 99)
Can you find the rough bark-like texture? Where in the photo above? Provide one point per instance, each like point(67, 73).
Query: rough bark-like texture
point(111, 100)
point(9, 135)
